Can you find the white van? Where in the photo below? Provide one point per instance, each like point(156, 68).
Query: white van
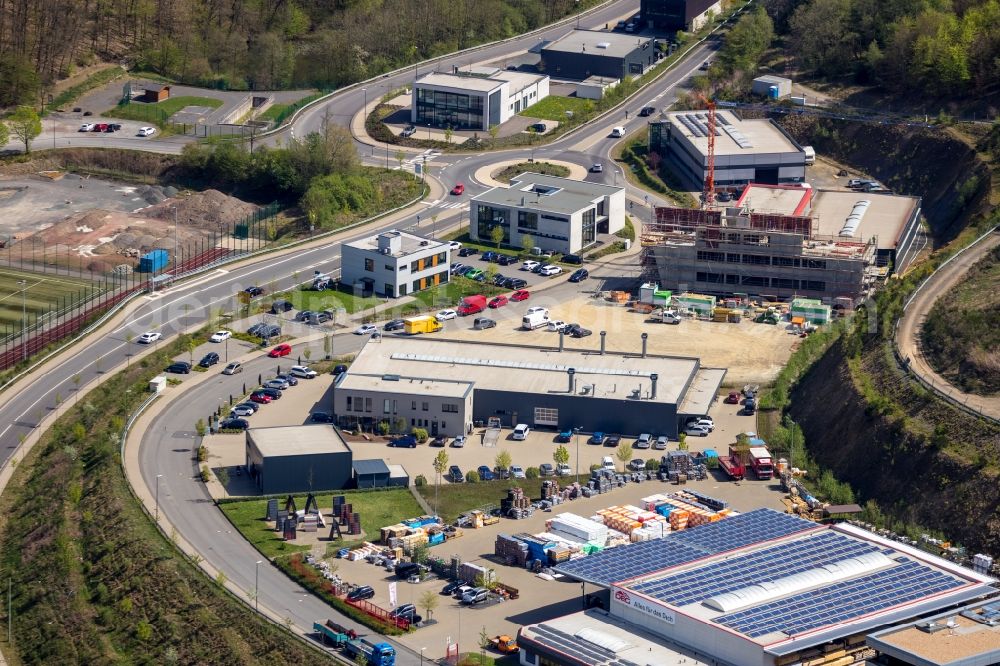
point(810, 154)
point(617, 132)
point(535, 320)
point(521, 431)
point(607, 462)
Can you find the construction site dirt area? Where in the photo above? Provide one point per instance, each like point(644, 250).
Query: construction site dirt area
point(750, 352)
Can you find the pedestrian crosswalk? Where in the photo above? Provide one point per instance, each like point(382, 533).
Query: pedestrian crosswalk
point(442, 203)
point(426, 156)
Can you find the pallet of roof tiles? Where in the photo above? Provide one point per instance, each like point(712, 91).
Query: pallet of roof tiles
point(550, 488)
point(678, 519)
point(308, 523)
point(511, 550)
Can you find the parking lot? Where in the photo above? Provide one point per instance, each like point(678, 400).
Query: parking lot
point(512, 270)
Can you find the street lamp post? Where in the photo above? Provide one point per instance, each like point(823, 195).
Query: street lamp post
point(422, 650)
point(158, 477)
point(24, 320)
point(176, 257)
point(576, 436)
point(256, 586)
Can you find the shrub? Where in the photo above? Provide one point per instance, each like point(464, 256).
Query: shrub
point(420, 481)
point(595, 467)
point(531, 473)
point(205, 474)
point(472, 476)
point(420, 434)
point(652, 465)
point(383, 428)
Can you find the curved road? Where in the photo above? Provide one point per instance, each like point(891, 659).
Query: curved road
point(189, 304)
point(908, 332)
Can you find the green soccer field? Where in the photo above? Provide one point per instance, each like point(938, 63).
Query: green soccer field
point(42, 293)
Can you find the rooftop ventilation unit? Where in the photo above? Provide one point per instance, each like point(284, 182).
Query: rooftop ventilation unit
point(603, 45)
point(853, 220)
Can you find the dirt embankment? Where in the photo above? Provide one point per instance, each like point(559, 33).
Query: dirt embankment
point(945, 478)
point(939, 165)
point(133, 162)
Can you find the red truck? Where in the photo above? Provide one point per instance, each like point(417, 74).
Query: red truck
point(732, 465)
point(760, 462)
point(471, 305)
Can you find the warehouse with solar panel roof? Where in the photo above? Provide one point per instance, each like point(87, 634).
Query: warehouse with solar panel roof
point(760, 588)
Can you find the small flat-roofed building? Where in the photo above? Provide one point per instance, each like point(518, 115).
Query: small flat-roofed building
point(560, 214)
point(594, 87)
point(447, 385)
point(394, 263)
point(771, 86)
point(294, 459)
point(673, 15)
point(371, 473)
point(967, 636)
point(764, 588)
point(155, 92)
point(746, 151)
point(582, 54)
point(476, 98)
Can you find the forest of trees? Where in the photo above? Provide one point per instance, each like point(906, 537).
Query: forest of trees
point(256, 44)
point(933, 47)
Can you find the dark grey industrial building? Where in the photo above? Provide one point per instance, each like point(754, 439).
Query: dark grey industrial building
point(295, 459)
point(371, 473)
point(585, 53)
point(447, 386)
point(673, 15)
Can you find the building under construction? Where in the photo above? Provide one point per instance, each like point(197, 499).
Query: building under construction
point(779, 242)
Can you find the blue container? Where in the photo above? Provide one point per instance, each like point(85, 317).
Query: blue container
point(153, 261)
point(773, 92)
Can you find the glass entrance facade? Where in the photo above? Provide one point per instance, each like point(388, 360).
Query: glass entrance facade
point(444, 109)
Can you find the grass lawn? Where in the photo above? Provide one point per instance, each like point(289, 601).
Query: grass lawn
point(377, 509)
point(544, 168)
point(273, 112)
point(457, 498)
point(41, 293)
point(554, 107)
point(159, 112)
point(486, 659)
point(309, 299)
point(448, 295)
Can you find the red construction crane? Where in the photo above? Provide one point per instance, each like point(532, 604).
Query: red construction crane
point(708, 197)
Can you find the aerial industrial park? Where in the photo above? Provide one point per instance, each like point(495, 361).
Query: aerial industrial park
point(583, 334)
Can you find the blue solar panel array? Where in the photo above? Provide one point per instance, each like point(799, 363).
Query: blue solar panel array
point(767, 565)
point(840, 602)
point(625, 562)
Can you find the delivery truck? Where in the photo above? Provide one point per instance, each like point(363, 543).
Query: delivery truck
point(418, 325)
point(375, 654)
point(760, 462)
point(471, 305)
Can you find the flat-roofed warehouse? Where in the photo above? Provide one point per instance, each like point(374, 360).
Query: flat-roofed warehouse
point(746, 151)
point(447, 385)
point(766, 588)
point(968, 636)
point(581, 54)
point(292, 459)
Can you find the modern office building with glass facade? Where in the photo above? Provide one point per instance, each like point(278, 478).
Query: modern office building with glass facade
point(474, 99)
point(559, 214)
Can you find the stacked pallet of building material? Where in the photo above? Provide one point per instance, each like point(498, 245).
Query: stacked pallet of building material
point(363, 551)
point(473, 572)
point(577, 528)
point(511, 550)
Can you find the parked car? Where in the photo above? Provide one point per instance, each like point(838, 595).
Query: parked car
point(485, 473)
point(365, 329)
point(530, 265)
point(86, 127)
point(703, 422)
point(596, 438)
point(284, 349)
point(468, 251)
point(408, 131)
point(497, 302)
point(149, 337)
point(440, 440)
point(516, 283)
point(550, 270)
point(252, 405)
point(321, 417)
point(444, 315)
point(521, 431)
point(234, 424)
point(564, 436)
point(520, 295)
point(482, 323)
point(612, 440)
point(241, 410)
point(339, 370)
point(406, 612)
point(210, 359)
point(289, 379)
point(572, 259)
point(101, 127)
point(233, 368)
point(490, 256)
point(475, 596)
point(404, 442)
point(645, 441)
point(273, 392)
point(499, 279)
point(458, 442)
point(454, 246)
point(733, 398)
point(179, 368)
point(220, 336)
point(394, 325)
point(562, 469)
point(579, 275)
point(261, 398)
point(458, 189)
point(506, 260)
point(546, 469)
point(637, 464)
point(361, 593)
point(455, 474)
point(661, 443)
point(556, 326)
point(303, 372)
point(147, 131)
point(451, 587)
point(696, 431)
point(580, 332)
point(517, 471)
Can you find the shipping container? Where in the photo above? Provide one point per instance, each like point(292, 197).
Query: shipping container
point(153, 261)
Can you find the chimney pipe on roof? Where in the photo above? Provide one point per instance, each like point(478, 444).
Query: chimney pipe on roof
point(569, 373)
point(603, 335)
point(644, 336)
point(653, 377)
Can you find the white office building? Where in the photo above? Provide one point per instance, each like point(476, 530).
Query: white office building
point(560, 214)
point(394, 263)
point(474, 99)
